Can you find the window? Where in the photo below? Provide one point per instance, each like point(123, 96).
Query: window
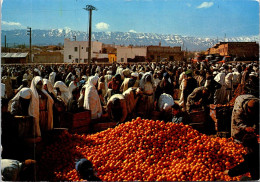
point(86, 49)
point(77, 60)
point(76, 49)
point(122, 60)
point(69, 56)
point(82, 48)
point(152, 57)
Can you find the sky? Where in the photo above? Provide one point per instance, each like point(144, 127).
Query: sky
point(199, 18)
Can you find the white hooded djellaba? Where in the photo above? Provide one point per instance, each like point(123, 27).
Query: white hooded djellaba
point(91, 100)
point(65, 93)
point(41, 108)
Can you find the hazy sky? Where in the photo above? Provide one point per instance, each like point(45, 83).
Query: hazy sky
point(183, 17)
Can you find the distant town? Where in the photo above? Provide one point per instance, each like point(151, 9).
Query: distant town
point(73, 51)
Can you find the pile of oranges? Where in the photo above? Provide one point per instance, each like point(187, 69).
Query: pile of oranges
point(143, 150)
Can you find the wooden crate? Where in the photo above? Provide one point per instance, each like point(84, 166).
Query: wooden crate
point(223, 134)
point(198, 126)
point(77, 121)
point(102, 126)
point(198, 117)
point(221, 115)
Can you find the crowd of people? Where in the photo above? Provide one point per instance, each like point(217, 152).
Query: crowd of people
point(125, 91)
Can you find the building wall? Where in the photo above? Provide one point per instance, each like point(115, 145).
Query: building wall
point(158, 53)
point(112, 58)
point(48, 57)
point(240, 49)
point(14, 60)
point(77, 51)
point(130, 52)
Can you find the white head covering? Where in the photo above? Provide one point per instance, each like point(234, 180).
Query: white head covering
point(65, 93)
point(92, 80)
point(220, 78)
point(38, 71)
point(25, 93)
point(49, 85)
point(144, 79)
point(134, 74)
point(52, 77)
point(34, 106)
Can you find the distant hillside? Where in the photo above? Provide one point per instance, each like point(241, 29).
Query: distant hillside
point(56, 36)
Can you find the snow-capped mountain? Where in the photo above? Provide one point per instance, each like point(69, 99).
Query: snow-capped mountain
point(56, 36)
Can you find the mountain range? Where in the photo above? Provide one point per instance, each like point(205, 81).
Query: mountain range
point(56, 36)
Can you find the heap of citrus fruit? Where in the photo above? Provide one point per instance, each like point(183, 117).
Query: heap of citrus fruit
point(143, 150)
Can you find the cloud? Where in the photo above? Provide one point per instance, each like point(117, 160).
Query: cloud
point(102, 26)
point(188, 4)
point(132, 31)
point(11, 23)
point(205, 5)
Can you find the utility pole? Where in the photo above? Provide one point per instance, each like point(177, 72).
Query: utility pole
point(89, 8)
point(5, 43)
point(29, 32)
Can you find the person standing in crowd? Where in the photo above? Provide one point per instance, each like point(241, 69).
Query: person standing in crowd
point(91, 100)
point(220, 95)
point(212, 86)
point(8, 86)
point(48, 87)
point(229, 86)
point(24, 85)
point(114, 87)
point(146, 84)
point(236, 77)
point(19, 105)
point(41, 107)
point(74, 83)
point(189, 85)
point(130, 82)
point(164, 87)
point(73, 101)
point(245, 116)
point(81, 98)
point(102, 86)
point(62, 91)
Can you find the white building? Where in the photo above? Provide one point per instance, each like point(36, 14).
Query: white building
point(123, 53)
point(77, 51)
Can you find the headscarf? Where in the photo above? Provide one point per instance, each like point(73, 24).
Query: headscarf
point(65, 93)
point(144, 79)
point(220, 78)
point(52, 77)
point(34, 106)
point(49, 86)
point(92, 81)
point(25, 93)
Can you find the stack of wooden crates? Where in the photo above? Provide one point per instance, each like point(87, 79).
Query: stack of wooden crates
point(221, 115)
